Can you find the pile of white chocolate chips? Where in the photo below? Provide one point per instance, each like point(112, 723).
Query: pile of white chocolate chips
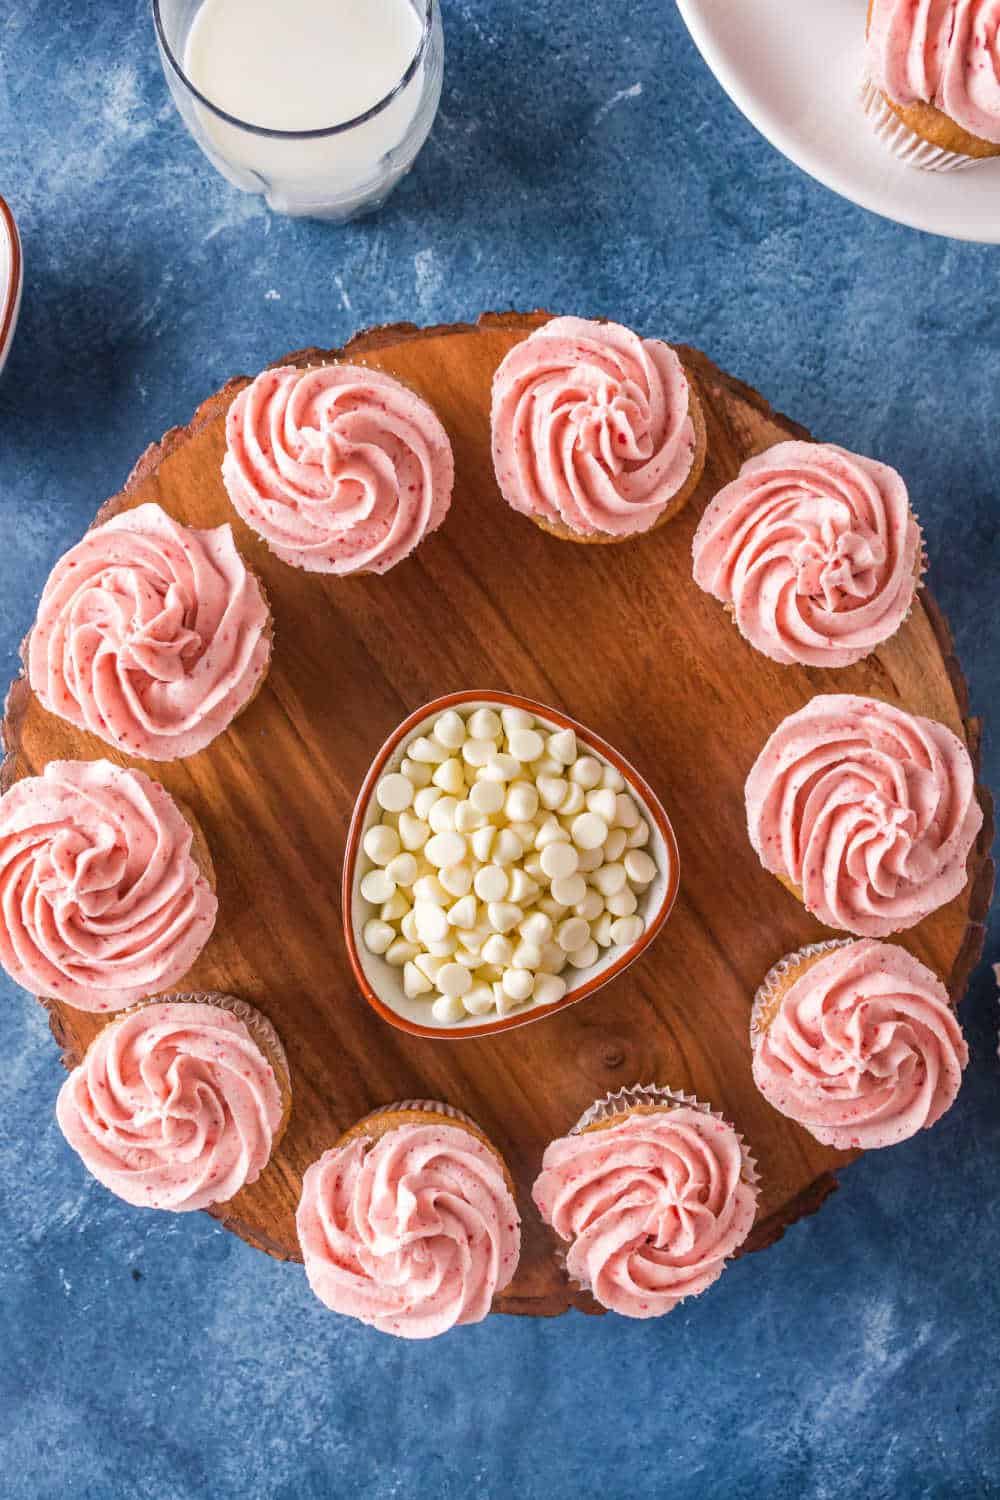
point(503, 855)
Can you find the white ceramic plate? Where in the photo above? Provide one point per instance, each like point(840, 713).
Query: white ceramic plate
point(795, 72)
point(11, 280)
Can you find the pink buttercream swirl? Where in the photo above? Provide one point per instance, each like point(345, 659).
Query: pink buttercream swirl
point(151, 635)
point(101, 902)
point(651, 1208)
point(413, 1234)
point(940, 52)
point(868, 811)
point(816, 551)
point(340, 469)
point(591, 427)
point(864, 1050)
point(174, 1106)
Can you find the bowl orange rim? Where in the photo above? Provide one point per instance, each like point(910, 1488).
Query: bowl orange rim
point(9, 304)
point(592, 741)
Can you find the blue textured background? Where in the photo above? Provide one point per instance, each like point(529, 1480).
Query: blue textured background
point(583, 160)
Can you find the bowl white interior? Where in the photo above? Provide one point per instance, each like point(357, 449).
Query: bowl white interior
point(387, 981)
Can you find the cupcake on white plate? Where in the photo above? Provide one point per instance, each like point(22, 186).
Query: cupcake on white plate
point(932, 86)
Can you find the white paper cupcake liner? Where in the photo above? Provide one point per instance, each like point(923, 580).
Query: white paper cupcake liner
point(616, 1107)
point(777, 973)
point(430, 1106)
point(902, 142)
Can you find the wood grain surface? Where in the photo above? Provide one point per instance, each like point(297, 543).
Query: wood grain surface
point(618, 637)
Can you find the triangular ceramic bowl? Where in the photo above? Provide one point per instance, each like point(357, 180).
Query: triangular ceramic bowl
point(11, 280)
point(382, 984)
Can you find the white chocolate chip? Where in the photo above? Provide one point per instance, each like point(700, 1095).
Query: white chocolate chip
point(479, 1000)
point(400, 952)
point(450, 730)
point(604, 803)
point(447, 1009)
point(507, 847)
point(490, 883)
point(464, 912)
point(572, 934)
point(419, 774)
point(589, 831)
point(432, 922)
point(614, 847)
point(478, 753)
point(394, 792)
point(484, 724)
point(414, 982)
point(526, 956)
point(429, 888)
point(551, 831)
point(609, 879)
point(638, 867)
point(454, 980)
point(569, 890)
point(601, 930)
point(497, 950)
point(516, 718)
point(627, 930)
point(623, 903)
point(553, 959)
point(487, 797)
point(425, 800)
point(378, 935)
point(583, 957)
point(408, 927)
point(376, 887)
point(395, 909)
point(552, 790)
point(450, 777)
point(442, 815)
point(562, 746)
point(525, 744)
point(549, 988)
point(590, 907)
point(468, 819)
point(612, 779)
point(518, 984)
point(427, 751)
point(402, 869)
point(586, 772)
point(449, 849)
point(536, 928)
point(639, 836)
point(413, 832)
point(503, 915)
point(381, 844)
point(559, 860)
point(522, 802)
point(429, 965)
point(482, 843)
point(521, 888)
point(500, 767)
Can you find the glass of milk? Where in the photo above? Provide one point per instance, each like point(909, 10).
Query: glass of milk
point(321, 105)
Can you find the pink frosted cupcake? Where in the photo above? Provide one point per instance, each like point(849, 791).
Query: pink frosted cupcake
point(106, 886)
point(815, 552)
point(933, 87)
point(652, 1193)
point(598, 434)
point(409, 1223)
point(857, 1041)
point(151, 635)
point(865, 813)
point(340, 469)
point(179, 1103)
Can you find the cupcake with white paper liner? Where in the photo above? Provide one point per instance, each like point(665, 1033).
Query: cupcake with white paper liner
point(409, 1223)
point(339, 468)
point(107, 889)
point(598, 435)
point(932, 84)
point(651, 1192)
point(814, 551)
point(152, 635)
point(856, 1041)
point(179, 1102)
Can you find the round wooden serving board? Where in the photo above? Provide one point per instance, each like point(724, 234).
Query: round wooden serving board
point(617, 636)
